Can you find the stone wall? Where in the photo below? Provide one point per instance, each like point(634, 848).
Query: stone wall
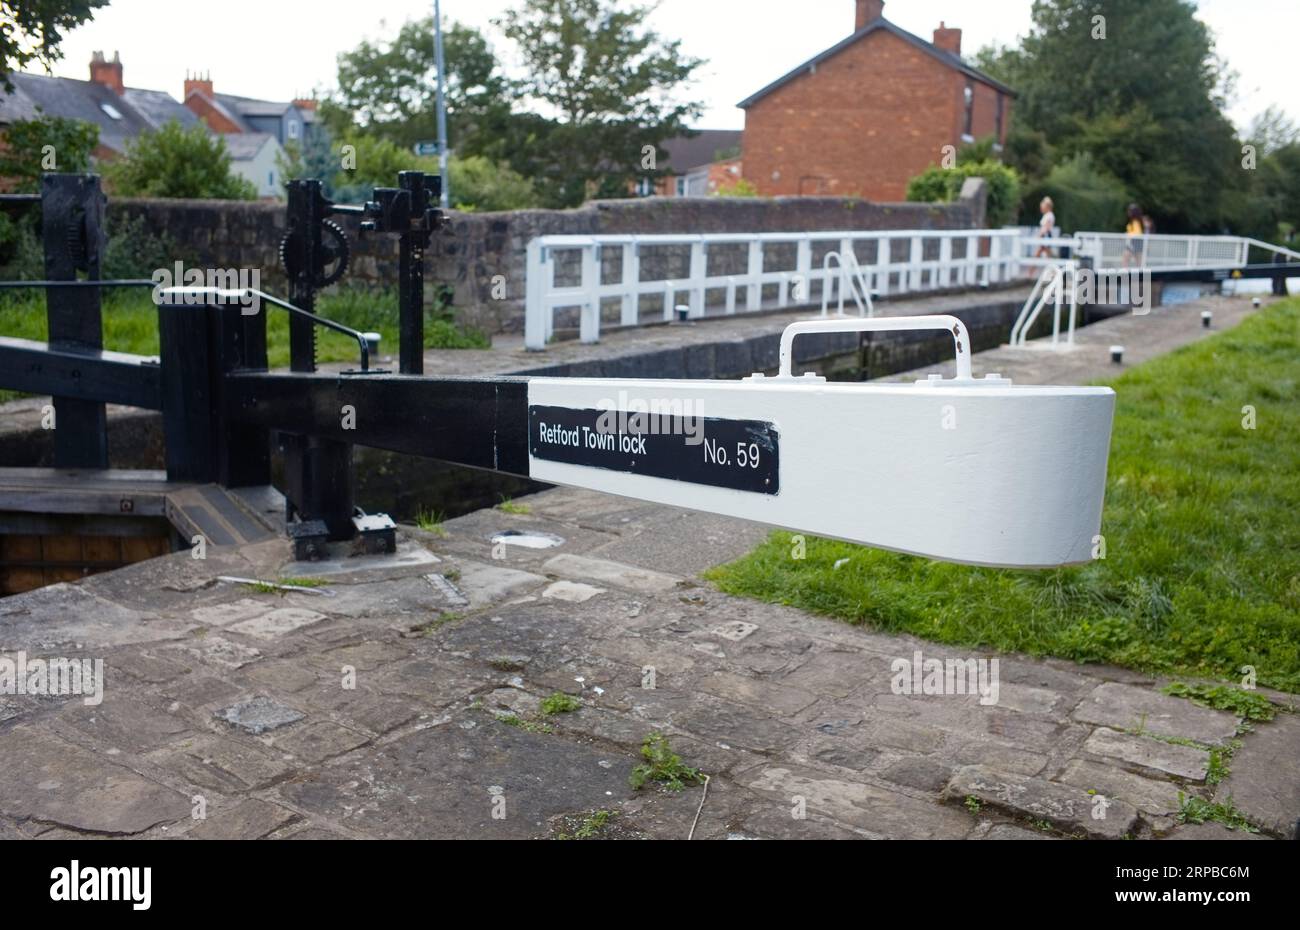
point(476, 248)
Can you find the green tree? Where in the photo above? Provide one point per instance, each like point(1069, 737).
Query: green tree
point(1145, 100)
point(389, 89)
point(181, 163)
point(47, 143)
point(31, 31)
point(614, 83)
point(374, 162)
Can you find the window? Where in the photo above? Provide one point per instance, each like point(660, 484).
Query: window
point(681, 187)
point(110, 110)
point(270, 178)
point(293, 129)
point(1002, 106)
point(970, 113)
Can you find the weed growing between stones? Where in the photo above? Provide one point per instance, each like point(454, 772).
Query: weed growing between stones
point(662, 765)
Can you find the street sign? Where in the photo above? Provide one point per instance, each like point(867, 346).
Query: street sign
point(426, 148)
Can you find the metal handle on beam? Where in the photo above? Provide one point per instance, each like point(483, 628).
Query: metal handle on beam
point(961, 339)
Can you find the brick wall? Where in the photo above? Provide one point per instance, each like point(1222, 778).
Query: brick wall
point(863, 123)
point(478, 247)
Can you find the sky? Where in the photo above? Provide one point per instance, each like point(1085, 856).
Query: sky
point(280, 49)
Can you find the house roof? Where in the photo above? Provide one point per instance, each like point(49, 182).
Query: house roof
point(943, 55)
point(245, 146)
point(160, 108)
point(247, 106)
point(136, 110)
point(688, 153)
point(36, 94)
point(230, 113)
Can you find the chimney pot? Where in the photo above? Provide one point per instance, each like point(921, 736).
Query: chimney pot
point(868, 11)
point(948, 39)
point(108, 73)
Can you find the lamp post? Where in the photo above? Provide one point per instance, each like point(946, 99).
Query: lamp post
point(442, 103)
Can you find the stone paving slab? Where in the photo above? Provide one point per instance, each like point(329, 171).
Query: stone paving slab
point(1143, 710)
point(1068, 807)
point(1256, 785)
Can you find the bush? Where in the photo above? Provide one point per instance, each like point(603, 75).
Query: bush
point(188, 164)
point(739, 188)
point(478, 183)
point(1084, 197)
point(943, 185)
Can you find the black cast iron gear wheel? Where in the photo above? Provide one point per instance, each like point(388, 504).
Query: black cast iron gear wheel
point(331, 261)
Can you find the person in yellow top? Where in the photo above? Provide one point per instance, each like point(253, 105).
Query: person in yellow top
point(1135, 229)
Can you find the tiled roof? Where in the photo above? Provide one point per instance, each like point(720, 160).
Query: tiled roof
point(945, 56)
point(118, 118)
point(687, 153)
point(245, 146)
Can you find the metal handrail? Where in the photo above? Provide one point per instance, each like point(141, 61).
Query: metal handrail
point(850, 273)
point(1049, 286)
point(229, 294)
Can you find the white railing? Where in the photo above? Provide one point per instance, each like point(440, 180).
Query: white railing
point(898, 261)
point(851, 278)
point(1163, 253)
point(1058, 285)
point(904, 261)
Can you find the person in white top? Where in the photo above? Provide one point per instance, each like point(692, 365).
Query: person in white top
point(1046, 226)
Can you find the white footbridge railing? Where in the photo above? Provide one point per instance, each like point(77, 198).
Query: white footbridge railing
point(883, 262)
point(624, 280)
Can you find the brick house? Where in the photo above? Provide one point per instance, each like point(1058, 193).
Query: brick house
point(868, 114)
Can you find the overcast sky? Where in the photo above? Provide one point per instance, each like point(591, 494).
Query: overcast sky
point(278, 49)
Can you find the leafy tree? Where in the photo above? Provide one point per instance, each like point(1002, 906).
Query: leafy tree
point(389, 89)
point(1272, 130)
point(314, 157)
point(612, 80)
point(24, 159)
point(181, 163)
point(1145, 101)
point(31, 31)
point(1085, 197)
point(375, 163)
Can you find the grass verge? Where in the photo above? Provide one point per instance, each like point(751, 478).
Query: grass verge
point(1202, 528)
point(131, 325)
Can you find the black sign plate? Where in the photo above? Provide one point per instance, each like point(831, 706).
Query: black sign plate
point(739, 454)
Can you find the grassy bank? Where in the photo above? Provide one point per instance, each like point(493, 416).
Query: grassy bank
point(1202, 528)
point(131, 325)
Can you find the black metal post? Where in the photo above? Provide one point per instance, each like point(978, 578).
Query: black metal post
point(72, 225)
point(188, 404)
point(318, 472)
point(414, 239)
